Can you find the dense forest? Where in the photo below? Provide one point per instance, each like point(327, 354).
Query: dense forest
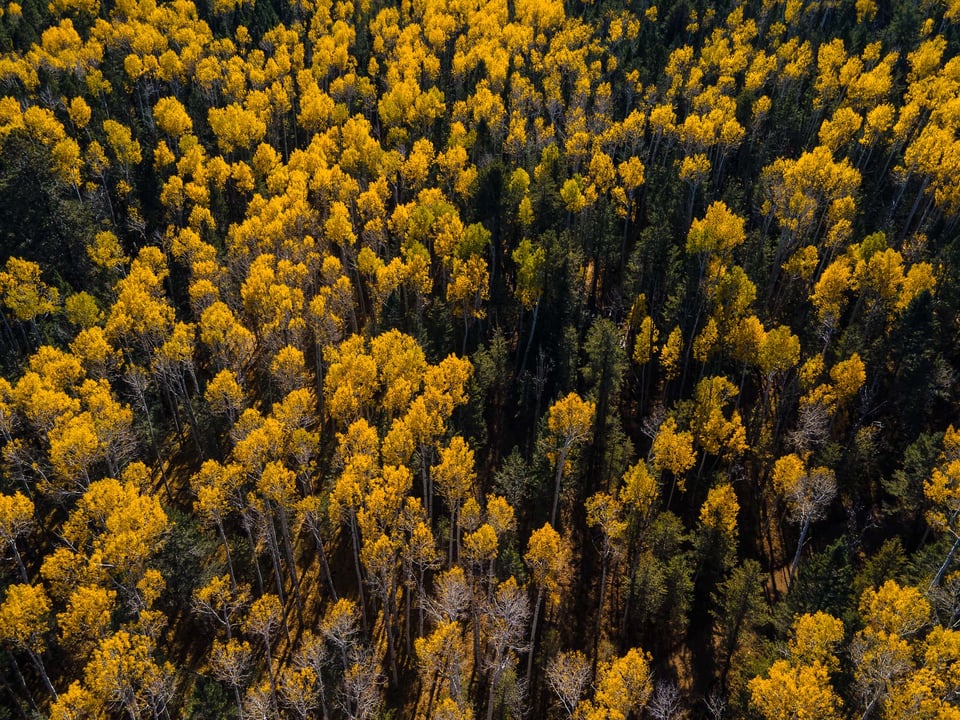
point(480, 359)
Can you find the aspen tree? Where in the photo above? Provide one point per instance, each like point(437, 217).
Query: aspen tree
point(548, 557)
point(16, 519)
point(570, 421)
point(24, 618)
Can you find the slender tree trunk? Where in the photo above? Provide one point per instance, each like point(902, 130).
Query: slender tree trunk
point(226, 548)
point(236, 695)
point(273, 679)
point(288, 548)
point(561, 461)
point(492, 694)
point(275, 555)
point(388, 604)
point(324, 564)
point(21, 681)
point(800, 543)
point(23, 570)
point(533, 635)
point(533, 327)
point(38, 662)
point(354, 533)
point(941, 573)
point(603, 593)
point(253, 555)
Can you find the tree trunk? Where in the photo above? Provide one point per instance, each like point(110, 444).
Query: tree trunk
point(533, 636)
point(603, 593)
point(23, 570)
point(355, 540)
point(946, 564)
point(236, 695)
point(253, 553)
point(561, 461)
point(273, 679)
point(288, 548)
point(800, 543)
point(35, 657)
point(226, 548)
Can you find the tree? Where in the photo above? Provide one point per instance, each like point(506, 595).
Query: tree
point(230, 663)
point(505, 623)
point(711, 430)
point(806, 492)
point(623, 687)
point(741, 611)
point(297, 688)
point(16, 518)
point(673, 451)
point(87, 620)
point(441, 660)
point(24, 294)
point(360, 693)
point(719, 511)
point(883, 657)
point(568, 675)
point(123, 672)
point(468, 289)
point(942, 490)
point(792, 692)
point(221, 600)
point(531, 266)
point(604, 512)
point(24, 618)
point(800, 687)
point(455, 477)
point(570, 421)
point(548, 557)
point(263, 618)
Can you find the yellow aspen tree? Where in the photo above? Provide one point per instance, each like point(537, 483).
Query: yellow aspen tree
point(454, 476)
point(468, 289)
point(531, 265)
point(123, 672)
point(548, 556)
point(623, 688)
point(807, 494)
point(800, 686)
point(570, 422)
point(882, 651)
point(16, 519)
point(442, 658)
point(401, 365)
point(711, 430)
point(359, 455)
point(350, 381)
point(298, 690)
point(24, 294)
point(605, 513)
point(719, 511)
point(263, 619)
point(218, 492)
point(24, 618)
point(670, 354)
point(225, 395)
point(87, 619)
point(942, 490)
point(76, 703)
point(221, 600)
point(230, 663)
point(673, 451)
